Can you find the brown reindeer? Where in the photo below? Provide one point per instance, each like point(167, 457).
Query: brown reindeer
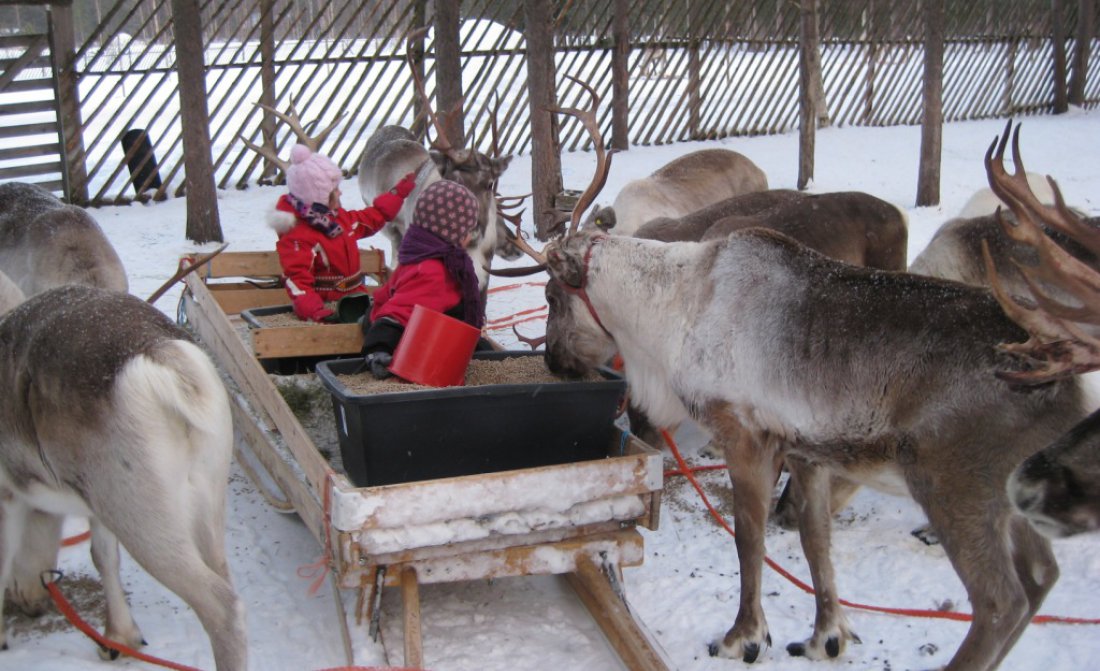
point(110, 411)
point(882, 378)
point(680, 187)
point(1058, 488)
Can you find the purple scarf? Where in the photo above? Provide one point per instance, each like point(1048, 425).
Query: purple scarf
point(420, 244)
point(318, 215)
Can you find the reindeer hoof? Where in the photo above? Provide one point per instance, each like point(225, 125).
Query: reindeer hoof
point(926, 534)
point(832, 646)
point(796, 649)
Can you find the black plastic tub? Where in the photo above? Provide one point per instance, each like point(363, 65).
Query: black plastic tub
point(392, 438)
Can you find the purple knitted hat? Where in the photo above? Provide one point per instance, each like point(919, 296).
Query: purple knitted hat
point(311, 178)
point(447, 209)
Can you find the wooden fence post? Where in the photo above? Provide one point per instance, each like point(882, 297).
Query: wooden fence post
point(931, 136)
point(546, 181)
point(203, 223)
point(1058, 36)
point(267, 84)
point(807, 92)
point(448, 72)
point(1081, 50)
point(415, 49)
point(74, 172)
point(620, 77)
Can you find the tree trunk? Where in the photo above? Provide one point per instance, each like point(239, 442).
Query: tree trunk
point(620, 77)
point(267, 79)
point(807, 94)
point(1058, 36)
point(203, 224)
point(448, 72)
point(817, 80)
point(931, 136)
point(546, 181)
point(1081, 53)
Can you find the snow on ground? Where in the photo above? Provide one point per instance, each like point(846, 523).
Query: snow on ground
point(687, 590)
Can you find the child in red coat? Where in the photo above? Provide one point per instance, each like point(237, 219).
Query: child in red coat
point(434, 270)
point(318, 238)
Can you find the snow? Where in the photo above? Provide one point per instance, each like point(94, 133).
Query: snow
point(686, 592)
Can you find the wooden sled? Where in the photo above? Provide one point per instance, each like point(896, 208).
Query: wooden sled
point(357, 526)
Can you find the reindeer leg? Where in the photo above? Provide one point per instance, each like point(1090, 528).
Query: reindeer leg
point(752, 473)
point(37, 552)
point(974, 532)
point(1037, 569)
point(13, 519)
point(121, 627)
point(811, 485)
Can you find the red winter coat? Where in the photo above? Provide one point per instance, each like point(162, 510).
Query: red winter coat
point(426, 283)
point(319, 268)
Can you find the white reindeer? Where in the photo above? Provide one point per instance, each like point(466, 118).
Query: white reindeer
point(45, 243)
point(110, 411)
point(883, 378)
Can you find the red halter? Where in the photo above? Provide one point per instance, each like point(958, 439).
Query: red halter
point(580, 290)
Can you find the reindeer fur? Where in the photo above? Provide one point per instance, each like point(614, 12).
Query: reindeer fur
point(45, 243)
point(111, 412)
point(883, 378)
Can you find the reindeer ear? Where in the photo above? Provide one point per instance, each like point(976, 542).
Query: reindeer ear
point(499, 165)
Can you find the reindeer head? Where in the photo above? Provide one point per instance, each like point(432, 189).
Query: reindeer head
point(576, 341)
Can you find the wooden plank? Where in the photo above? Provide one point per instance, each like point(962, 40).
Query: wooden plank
point(613, 616)
point(12, 68)
point(30, 170)
point(32, 151)
point(266, 264)
point(19, 130)
point(27, 107)
point(306, 340)
point(233, 301)
point(625, 546)
point(410, 599)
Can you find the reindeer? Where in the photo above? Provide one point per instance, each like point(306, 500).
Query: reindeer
point(882, 378)
point(1058, 488)
point(45, 243)
point(680, 187)
point(112, 412)
point(393, 151)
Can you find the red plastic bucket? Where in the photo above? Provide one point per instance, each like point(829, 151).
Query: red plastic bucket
point(435, 349)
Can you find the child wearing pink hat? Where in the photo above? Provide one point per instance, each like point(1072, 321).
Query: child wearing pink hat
point(318, 238)
point(434, 270)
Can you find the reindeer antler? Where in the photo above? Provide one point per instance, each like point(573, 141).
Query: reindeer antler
point(603, 158)
point(291, 119)
point(1056, 346)
point(441, 142)
point(533, 343)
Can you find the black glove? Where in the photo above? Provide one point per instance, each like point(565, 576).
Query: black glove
point(377, 363)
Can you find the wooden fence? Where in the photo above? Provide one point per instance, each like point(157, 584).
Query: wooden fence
point(695, 69)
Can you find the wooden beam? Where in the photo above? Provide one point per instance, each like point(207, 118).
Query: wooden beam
point(306, 340)
point(410, 598)
point(63, 55)
point(546, 181)
point(613, 616)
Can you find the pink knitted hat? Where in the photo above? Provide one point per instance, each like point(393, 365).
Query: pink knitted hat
point(447, 209)
point(311, 177)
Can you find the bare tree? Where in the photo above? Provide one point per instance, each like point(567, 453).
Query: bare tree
point(931, 138)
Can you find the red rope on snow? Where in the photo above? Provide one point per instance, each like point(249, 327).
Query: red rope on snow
point(910, 612)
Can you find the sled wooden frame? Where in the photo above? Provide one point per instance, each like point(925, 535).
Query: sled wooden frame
point(347, 520)
point(256, 284)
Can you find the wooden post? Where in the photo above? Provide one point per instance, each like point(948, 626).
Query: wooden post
point(931, 136)
point(416, 62)
point(203, 224)
point(448, 72)
point(546, 181)
point(620, 77)
point(267, 83)
point(410, 598)
point(1058, 37)
point(694, 78)
point(807, 104)
point(1080, 66)
point(74, 173)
